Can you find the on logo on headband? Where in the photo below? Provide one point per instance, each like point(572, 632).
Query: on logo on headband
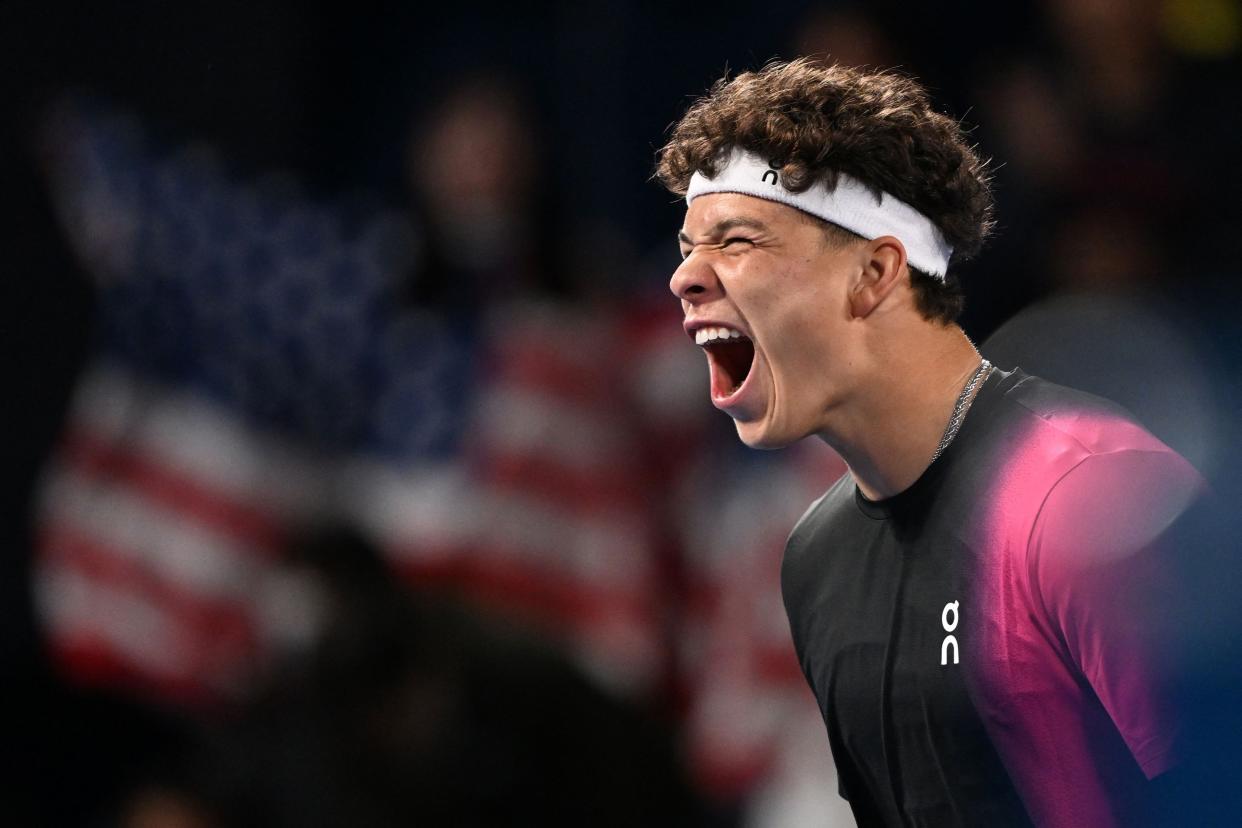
point(773, 166)
point(852, 205)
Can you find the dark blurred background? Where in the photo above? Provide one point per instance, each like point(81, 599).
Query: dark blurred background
point(358, 472)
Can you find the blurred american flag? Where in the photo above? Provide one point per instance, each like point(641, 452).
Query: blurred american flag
point(248, 344)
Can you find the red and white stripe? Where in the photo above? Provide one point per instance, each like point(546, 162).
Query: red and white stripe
point(746, 686)
point(548, 520)
point(160, 519)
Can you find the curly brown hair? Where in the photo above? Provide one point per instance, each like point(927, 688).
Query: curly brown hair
point(813, 122)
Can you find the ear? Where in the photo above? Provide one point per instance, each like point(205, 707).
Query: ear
point(883, 265)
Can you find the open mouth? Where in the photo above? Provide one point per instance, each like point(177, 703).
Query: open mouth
point(730, 354)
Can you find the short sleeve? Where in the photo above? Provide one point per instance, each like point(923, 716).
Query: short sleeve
point(1099, 564)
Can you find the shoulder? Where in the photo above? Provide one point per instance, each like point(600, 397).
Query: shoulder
point(1073, 468)
point(1114, 488)
point(1111, 481)
point(1049, 430)
point(1056, 414)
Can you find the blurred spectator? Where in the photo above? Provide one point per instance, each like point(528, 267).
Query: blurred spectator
point(404, 709)
point(472, 168)
point(847, 34)
point(1096, 134)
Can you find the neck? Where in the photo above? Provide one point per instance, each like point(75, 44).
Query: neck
point(888, 432)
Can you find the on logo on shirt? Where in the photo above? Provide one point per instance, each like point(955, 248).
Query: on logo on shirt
point(949, 627)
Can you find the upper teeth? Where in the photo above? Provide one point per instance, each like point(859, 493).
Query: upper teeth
point(705, 335)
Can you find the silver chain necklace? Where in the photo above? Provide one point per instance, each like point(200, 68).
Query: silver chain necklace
point(960, 407)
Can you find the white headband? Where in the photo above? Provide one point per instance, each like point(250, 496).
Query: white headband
point(851, 205)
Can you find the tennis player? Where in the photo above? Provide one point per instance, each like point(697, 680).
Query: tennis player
point(969, 602)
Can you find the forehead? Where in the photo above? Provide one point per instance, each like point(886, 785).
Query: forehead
point(713, 211)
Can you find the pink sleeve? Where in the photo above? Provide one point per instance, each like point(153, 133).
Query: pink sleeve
point(1097, 568)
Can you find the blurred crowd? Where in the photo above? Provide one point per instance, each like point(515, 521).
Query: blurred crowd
point(339, 504)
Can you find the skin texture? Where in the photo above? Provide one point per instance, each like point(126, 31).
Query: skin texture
point(841, 350)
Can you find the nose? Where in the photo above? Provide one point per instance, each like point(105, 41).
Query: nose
point(694, 281)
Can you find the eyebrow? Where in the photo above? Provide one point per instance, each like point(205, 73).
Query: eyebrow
point(723, 226)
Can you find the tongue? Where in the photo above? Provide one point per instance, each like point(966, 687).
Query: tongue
point(731, 363)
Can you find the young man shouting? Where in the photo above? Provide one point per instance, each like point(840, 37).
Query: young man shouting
point(967, 603)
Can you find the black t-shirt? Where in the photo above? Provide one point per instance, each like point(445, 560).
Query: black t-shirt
point(972, 641)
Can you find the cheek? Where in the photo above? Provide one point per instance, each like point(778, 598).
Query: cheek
point(761, 293)
point(795, 328)
point(804, 363)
